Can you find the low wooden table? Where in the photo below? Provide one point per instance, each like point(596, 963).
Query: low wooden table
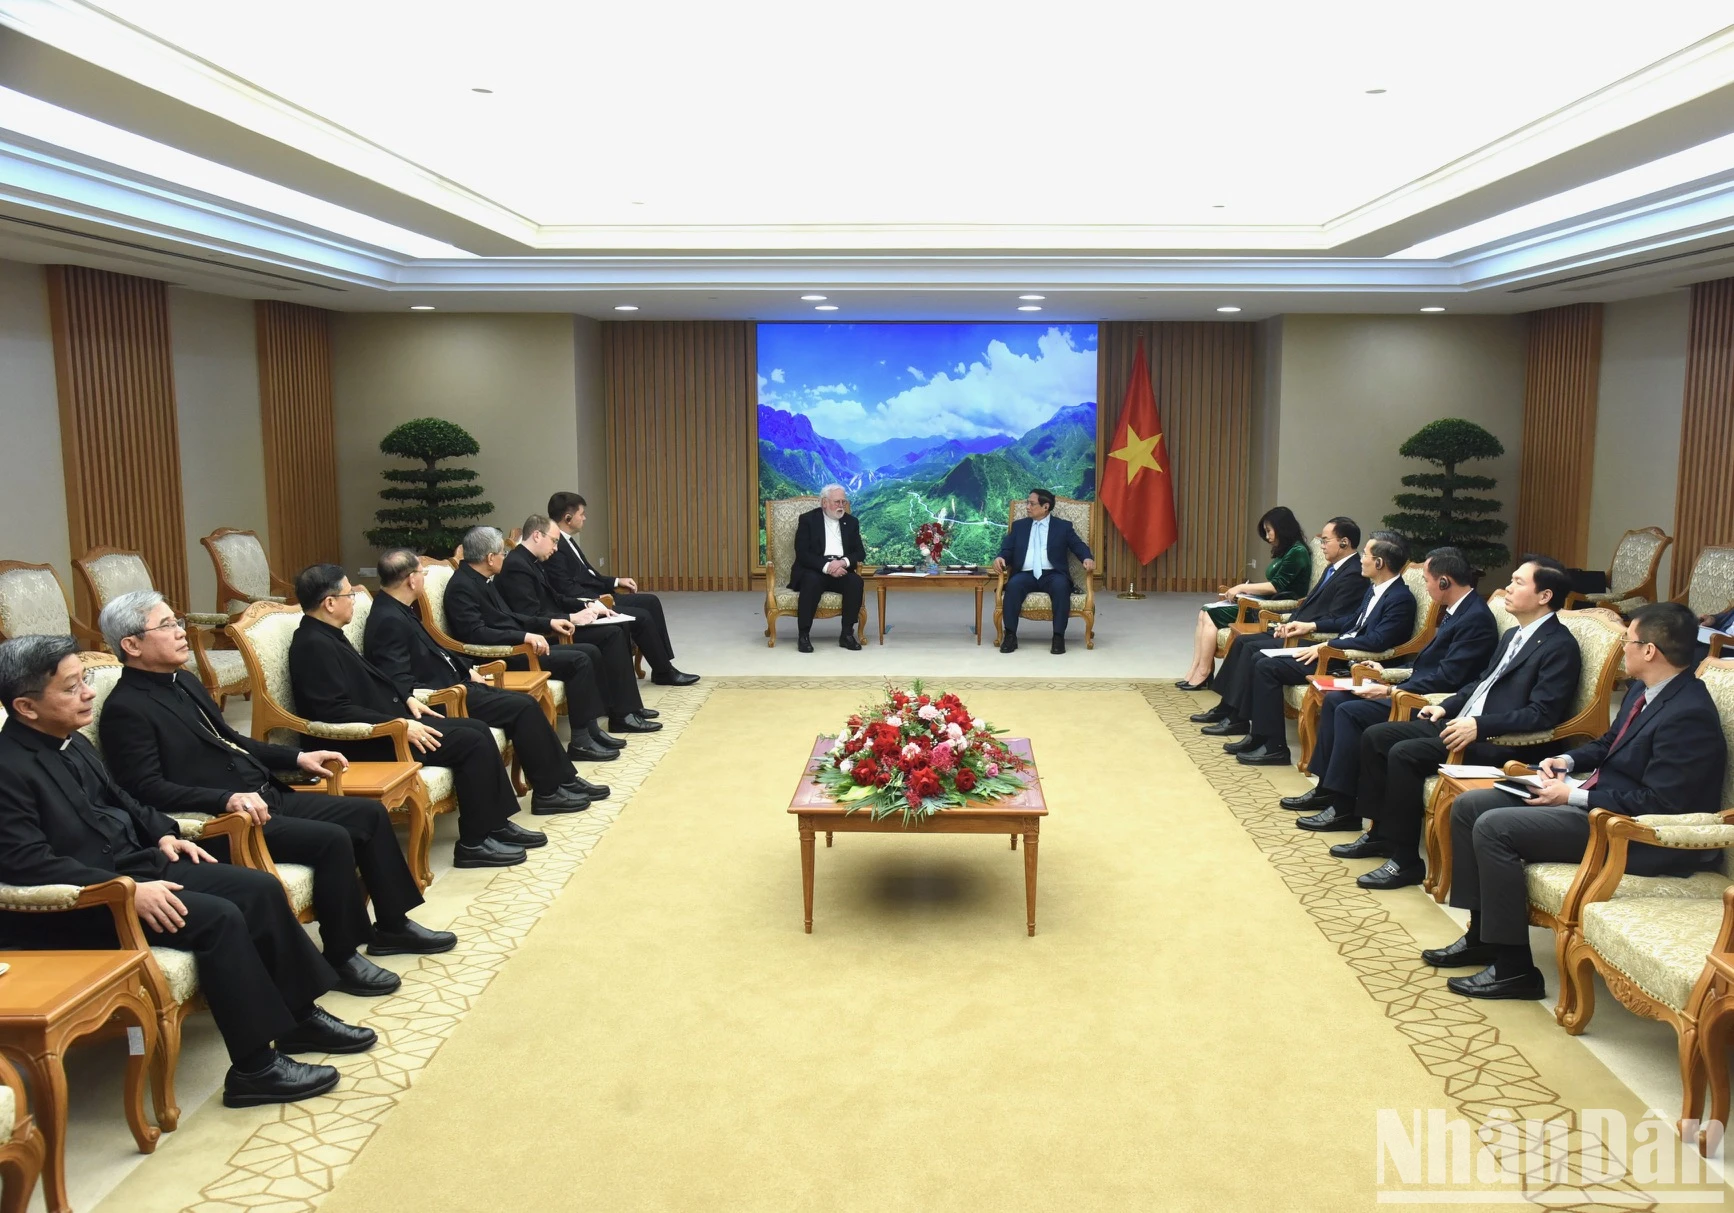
point(814, 810)
point(397, 786)
point(933, 581)
point(1438, 831)
point(50, 999)
point(533, 683)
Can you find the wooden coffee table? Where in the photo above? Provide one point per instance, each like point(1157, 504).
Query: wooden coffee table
point(397, 786)
point(932, 581)
point(1438, 831)
point(814, 810)
point(50, 999)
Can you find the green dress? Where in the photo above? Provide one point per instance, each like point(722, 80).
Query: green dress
point(1291, 574)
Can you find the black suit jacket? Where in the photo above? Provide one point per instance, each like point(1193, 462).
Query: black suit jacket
point(1461, 647)
point(396, 642)
point(572, 574)
point(523, 583)
point(162, 753)
point(1671, 760)
point(335, 684)
point(476, 614)
point(1535, 693)
point(50, 833)
point(1341, 594)
point(810, 544)
point(1391, 623)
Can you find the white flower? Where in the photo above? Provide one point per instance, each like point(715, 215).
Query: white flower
point(911, 750)
point(922, 549)
point(954, 731)
point(894, 720)
point(978, 724)
point(928, 712)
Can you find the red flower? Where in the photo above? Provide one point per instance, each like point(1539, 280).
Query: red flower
point(881, 778)
point(965, 779)
point(865, 771)
point(853, 745)
point(913, 797)
point(923, 701)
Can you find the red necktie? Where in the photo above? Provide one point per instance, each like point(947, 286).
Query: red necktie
point(1630, 716)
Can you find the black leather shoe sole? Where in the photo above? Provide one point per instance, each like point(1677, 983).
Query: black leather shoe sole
point(591, 754)
point(1530, 986)
point(1245, 745)
point(1363, 848)
point(643, 726)
point(1265, 758)
point(1458, 956)
point(327, 1078)
point(1388, 877)
point(1227, 728)
point(510, 859)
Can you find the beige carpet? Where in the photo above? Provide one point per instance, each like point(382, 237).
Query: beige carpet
point(1179, 1033)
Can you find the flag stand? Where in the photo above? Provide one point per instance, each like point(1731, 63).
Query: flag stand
point(1131, 590)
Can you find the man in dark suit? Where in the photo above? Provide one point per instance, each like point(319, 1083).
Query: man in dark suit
point(168, 745)
point(828, 552)
point(335, 684)
point(477, 614)
point(1528, 688)
point(1384, 619)
point(1664, 752)
point(523, 583)
point(571, 574)
point(1460, 648)
point(396, 642)
point(1034, 550)
point(63, 820)
point(1340, 590)
point(1723, 623)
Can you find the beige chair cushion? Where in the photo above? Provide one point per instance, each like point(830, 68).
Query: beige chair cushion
point(32, 604)
point(227, 664)
point(1631, 566)
point(271, 637)
point(1658, 942)
point(780, 519)
point(245, 568)
point(117, 574)
point(499, 738)
point(1719, 682)
point(298, 883)
point(439, 783)
point(8, 1113)
point(830, 602)
point(1039, 601)
point(355, 630)
point(558, 690)
point(180, 970)
point(1548, 883)
point(103, 680)
point(1712, 586)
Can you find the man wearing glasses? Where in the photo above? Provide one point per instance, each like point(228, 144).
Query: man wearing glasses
point(1663, 753)
point(168, 745)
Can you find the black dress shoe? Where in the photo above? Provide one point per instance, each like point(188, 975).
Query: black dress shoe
point(1460, 954)
point(361, 977)
point(1312, 799)
point(649, 713)
point(1058, 646)
point(1227, 726)
point(672, 677)
point(1392, 874)
point(1336, 818)
point(1364, 847)
point(634, 722)
point(804, 643)
point(567, 799)
point(1266, 755)
point(411, 939)
point(323, 1032)
point(588, 751)
point(1531, 985)
point(1214, 715)
point(595, 791)
point(1009, 644)
point(847, 641)
point(1249, 742)
point(1194, 686)
point(487, 853)
point(517, 836)
point(285, 1080)
point(601, 737)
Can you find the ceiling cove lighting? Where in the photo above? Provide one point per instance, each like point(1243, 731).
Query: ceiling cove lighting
point(626, 307)
point(826, 307)
point(1032, 298)
point(1230, 308)
point(1030, 307)
point(812, 298)
point(1432, 309)
point(488, 91)
point(421, 307)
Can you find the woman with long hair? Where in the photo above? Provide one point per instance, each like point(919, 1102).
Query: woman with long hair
point(1288, 575)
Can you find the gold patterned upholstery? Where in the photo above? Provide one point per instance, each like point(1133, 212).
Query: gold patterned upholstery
point(782, 515)
point(1711, 589)
point(269, 637)
point(1632, 573)
point(243, 573)
point(1083, 598)
point(110, 572)
point(181, 972)
point(1548, 882)
point(1659, 943)
point(32, 601)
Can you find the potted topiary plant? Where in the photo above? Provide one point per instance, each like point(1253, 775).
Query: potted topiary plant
point(1439, 516)
point(445, 501)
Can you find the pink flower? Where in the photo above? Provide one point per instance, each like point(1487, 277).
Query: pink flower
point(911, 750)
point(943, 759)
point(928, 712)
point(953, 731)
point(992, 769)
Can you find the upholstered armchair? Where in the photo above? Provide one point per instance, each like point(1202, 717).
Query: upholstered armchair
point(244, 576)
point(21, 1144)
point(1081, 515)
point(110, 572)
point(431, 603)
point(1631, 573)
point(1252, 611)
point(1711, 588)
point(781, 516)
point(33, 602)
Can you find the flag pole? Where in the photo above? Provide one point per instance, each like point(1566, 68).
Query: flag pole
point(1131, 590)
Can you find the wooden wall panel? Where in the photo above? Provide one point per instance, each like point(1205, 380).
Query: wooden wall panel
point(1559, 433)
point(118, 438)
point(298, 424)
point(682, 425)
point(1704, 501)
point(1202, 374)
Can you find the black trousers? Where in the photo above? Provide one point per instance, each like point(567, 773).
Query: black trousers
point(1398, 757)
point(811, 584)
point(597, 671)
point(1343, 718)
point(1234, 679)
point(467, 749)
point(336, 836)
point(539, 750)
point(649, 629)
point(1055, 583)
point(1269, 676)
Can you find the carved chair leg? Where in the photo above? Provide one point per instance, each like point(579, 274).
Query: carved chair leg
point(18, 1174)
point(1713, 1050)
point(1579, 971)
point(163, 1063)
point(1692, 1080)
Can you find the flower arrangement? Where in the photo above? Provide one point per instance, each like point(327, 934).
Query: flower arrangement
point(917, 754)
point(931, 540)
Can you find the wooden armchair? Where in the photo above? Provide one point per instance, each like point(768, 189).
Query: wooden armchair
point(21, 1144)
point(1631, 573)
point(781, 517)
point(1710, 590)
point(244, 576)
point(108, 573)
point(1081, 514)
point(33, 602)
point(431, 603)
point(1253, 611)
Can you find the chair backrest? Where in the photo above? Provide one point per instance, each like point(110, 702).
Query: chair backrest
point(1635, 559)
point(1503, 621)
point(1076, 512)
point(110, 572)
point(104, 672)
point(1718, 678)
point(1316, 546)
point(32, 601)
point(781, 515)
point(241, 563)
point(1426, 610)
point(1711, 590)
point(356, 629)
point(436, 577)
point(263, 633)
point(1601, 639)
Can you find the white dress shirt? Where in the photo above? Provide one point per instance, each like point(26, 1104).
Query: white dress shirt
point(1036, 556)
point(1372, 605)
point(833, 538)
point(1478, 700)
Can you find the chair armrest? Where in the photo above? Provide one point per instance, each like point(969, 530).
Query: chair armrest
point(1269, 617)
point(495, 651)
point(27, 898)
point(206, 619)
point(397, 730)
point(1405, 704)
point(1353, 655)
point(1611, 835)
point(245, 843)
point(1277, 606)
point(116, 894)
point(454, 698)
point(1717, 643)
point(492, 671)
point(607, 600)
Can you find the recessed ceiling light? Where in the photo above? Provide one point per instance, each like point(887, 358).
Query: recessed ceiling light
point(1432, 309)
point(1374, 92)
point(421, 307)
point(626, 307)
point(1032, 298)
point(482, 90)
point(812, 298)
point(1230, 308)
point(1219, 206)
point(1030, 307)
point(637, 201)
point(826, 307)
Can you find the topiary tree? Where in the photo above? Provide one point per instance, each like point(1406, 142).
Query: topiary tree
point(1440, 516)
point(446, 503)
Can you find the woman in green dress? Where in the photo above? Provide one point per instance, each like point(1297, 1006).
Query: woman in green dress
point(1288, 575)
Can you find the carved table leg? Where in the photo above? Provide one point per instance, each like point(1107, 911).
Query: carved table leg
point(1014, 845)
point(827, 838)
point(144, 1134)
point(882, 612)
point(807, 871)
point(1030, 878)
point(48, 1094)
point(978, 614)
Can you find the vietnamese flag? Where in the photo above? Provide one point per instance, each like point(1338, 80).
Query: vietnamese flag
point(1138, 483)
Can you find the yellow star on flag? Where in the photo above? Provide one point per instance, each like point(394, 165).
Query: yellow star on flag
point(1138, 453)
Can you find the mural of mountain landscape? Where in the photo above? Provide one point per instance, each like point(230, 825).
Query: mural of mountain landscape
point(921, 421)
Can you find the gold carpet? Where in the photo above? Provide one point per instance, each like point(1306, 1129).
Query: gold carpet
point(1202, 1020)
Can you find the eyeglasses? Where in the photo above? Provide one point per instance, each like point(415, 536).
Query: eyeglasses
point(351, 594)
point(168, 625)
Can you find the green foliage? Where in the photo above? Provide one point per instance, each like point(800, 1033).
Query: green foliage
point(1441, 516)
point(444, 502)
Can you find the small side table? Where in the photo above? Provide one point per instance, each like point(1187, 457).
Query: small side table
point(397, 786)
point(50, 999)
point(1438, 836)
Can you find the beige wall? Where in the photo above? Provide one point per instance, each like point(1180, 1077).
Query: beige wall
point(509, 379)
point(1353, 388)
point(592, 471)
point(1643, 384)
point(217, 406)
point(33, 483)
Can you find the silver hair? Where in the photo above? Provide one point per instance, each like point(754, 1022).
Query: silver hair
point(480, 542)
point(829, 488)
point(126, 616)
point(28, 662)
